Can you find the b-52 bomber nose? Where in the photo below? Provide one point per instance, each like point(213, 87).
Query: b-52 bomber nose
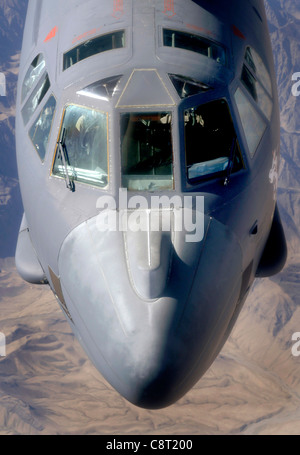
point(154, 101)
point(150, 307)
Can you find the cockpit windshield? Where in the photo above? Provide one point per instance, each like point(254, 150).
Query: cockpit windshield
point(210, 140)
point(81, 153)
point(147, 157)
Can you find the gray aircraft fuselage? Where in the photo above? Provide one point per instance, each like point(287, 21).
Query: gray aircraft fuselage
point(147, 136)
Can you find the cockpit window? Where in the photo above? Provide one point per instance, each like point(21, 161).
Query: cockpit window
point(257, 81)
point(195, 43)
point(253, 123)
point(108, 42)
point(211, 142)
point(103, 90)
point(187, 87)
point(35, 70)
point(40, 130)
point(258, 68)
point(81, 153)
point(35, 98)
point(147, 156)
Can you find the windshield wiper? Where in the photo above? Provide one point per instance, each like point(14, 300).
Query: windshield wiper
point(230, 161)
point(64, 156)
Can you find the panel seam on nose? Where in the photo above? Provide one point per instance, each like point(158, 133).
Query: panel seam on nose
point(148, 239)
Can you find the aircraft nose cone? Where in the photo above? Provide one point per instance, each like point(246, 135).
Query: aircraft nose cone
point(151, 350)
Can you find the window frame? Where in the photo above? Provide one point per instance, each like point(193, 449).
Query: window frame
point(257, 111)
point(91, 185)
point(222, 174)
point(149, 111)
point(263, 97)
point(34, 122)
point(28, 75)
point(198, 37)
point(82, 44)
point(28, 112)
